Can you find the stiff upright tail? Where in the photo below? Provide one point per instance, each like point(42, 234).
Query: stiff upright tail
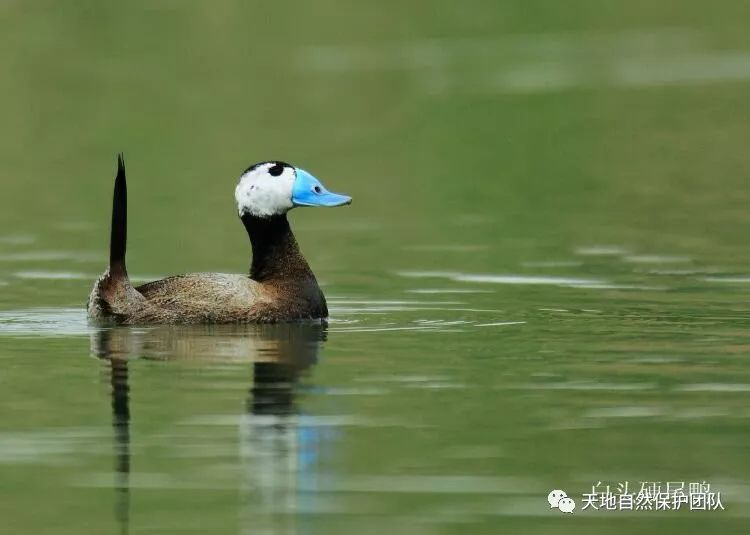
point(119, 235)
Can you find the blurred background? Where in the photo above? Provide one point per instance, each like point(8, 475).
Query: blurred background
point(542, 283)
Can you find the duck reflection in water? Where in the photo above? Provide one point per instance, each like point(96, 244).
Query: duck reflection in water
point(274, 449)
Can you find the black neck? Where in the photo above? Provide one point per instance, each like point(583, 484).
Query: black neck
point(276, 255)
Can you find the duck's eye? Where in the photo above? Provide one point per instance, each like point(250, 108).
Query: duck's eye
point(276, 169)
point(318, 190)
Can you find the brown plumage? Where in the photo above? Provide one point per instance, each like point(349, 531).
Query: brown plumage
point(280, 287)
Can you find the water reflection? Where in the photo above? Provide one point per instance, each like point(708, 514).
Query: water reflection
point(121, 428)
point(274, 449)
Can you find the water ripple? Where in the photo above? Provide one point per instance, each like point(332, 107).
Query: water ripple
point(45, 322)
point(503, 279)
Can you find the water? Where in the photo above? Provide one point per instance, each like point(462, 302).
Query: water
point(543, 281)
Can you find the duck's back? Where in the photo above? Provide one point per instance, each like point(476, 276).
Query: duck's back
point(225, 298)
point(205, 297)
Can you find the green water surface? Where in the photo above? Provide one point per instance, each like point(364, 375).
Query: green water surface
point(543, 281)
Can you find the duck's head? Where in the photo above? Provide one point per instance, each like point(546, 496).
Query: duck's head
point(273, 188)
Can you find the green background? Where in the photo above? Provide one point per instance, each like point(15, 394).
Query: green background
point(594, 150)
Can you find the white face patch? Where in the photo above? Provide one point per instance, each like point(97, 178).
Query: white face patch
point(262, 194)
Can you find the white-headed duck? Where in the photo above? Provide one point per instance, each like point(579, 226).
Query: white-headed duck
point(280, 287)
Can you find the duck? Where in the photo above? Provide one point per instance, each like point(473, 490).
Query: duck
point(280, 286)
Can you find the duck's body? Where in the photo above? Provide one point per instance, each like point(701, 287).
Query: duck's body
point(280, 287)
point(207, 298)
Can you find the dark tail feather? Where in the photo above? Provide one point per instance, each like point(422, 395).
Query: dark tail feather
point(119, 234)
